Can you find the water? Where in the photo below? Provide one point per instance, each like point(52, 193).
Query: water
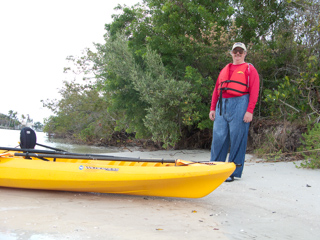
point(11, 138)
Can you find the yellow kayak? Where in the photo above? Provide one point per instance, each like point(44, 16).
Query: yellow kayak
point(180, 178)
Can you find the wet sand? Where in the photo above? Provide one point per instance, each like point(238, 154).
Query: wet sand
point(271, 201)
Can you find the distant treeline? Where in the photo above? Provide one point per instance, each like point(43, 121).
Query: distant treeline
point(153, 76)
point(11, 121)
point(8, 121)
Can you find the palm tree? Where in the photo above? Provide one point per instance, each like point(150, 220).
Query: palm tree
point(10, 113)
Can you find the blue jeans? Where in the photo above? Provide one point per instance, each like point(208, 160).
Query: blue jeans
point(230, 131)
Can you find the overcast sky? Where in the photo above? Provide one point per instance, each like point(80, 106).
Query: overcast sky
point(36, 37)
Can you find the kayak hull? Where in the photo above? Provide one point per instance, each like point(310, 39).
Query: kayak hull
point(181, 179)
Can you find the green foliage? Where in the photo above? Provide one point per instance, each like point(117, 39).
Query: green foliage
point(310, 83)
point(155, 72)
point(259, 19)
point(80, 114)
point(117, 84)
point(169, 100)
point(38, 126)
point(311, 147)
point(178, 86)
point(287, 100)
point(160, 103)
point(295, 98)
point(180, 34)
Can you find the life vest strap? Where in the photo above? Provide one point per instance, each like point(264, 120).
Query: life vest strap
point(228, 81)
point(235, 90)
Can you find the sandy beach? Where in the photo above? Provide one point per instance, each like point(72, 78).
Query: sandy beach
point(271, 201)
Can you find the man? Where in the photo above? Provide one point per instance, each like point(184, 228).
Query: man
point(233, 101)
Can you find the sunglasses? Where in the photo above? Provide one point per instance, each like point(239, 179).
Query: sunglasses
point(234, 51)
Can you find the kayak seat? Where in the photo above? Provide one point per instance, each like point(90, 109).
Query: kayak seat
point(28, 138)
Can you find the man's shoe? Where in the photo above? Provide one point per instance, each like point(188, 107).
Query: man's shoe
point(230, 179)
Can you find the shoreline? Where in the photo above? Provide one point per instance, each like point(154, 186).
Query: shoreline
point(271, 201)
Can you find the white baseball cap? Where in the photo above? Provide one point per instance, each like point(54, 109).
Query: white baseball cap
point(240, 45)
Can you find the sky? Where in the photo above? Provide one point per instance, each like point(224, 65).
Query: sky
point(36, 37)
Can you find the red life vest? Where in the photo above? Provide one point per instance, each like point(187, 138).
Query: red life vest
point(238, 84)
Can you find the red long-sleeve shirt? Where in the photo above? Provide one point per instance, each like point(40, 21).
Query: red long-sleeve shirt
point(254, 85)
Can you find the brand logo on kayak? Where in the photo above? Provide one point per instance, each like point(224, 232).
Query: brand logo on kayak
point(99, 168)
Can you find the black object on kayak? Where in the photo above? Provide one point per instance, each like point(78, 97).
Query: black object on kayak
point(28, 138)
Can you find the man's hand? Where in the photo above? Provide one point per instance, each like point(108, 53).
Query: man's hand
point(212, 115)
point(248, 117)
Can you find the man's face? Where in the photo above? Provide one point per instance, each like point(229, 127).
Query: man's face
point(238, 55)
